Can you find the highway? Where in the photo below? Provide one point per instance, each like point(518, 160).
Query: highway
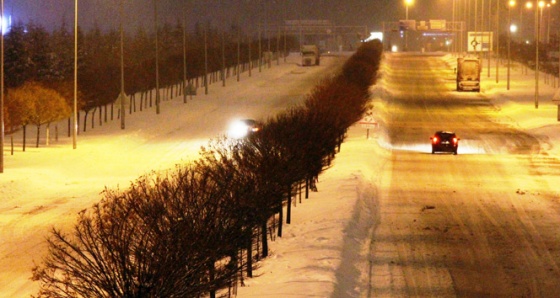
point(483, 223)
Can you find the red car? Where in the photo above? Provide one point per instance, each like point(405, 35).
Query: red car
point(445, 141)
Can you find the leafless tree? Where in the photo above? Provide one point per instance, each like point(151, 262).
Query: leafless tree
point(166, 236)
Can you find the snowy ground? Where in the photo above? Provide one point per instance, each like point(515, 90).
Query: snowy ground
point(323, 251)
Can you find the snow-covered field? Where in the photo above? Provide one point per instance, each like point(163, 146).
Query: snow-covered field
point(323, 251)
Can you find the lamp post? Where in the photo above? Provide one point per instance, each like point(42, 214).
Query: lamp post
point(2, 88)
point(548, 23)
point(157, 57)
point(549, 20)
point(407, 3)
point(511, 4)
point(123, 95)
point(538, 13)
point(521, 23)
point(75, 128)
point(498, 41)
point(184, 29)
point(528, 6)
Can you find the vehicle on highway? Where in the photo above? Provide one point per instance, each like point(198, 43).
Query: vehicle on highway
point(468, 74)
point(241, 128)
point(310, 55)
point(445, 141)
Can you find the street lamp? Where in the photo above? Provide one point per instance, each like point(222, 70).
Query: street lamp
point(548, 20)
point(511, 4)
point(407, 3)
point(538, 15)
point(498, 58)
point(2, 87)
point(123, 94)
point(75, 128)
point(528, 6)
point(184, 29)
point(157, 57)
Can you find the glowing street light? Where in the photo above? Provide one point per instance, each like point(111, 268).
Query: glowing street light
point(513, 28)
point(510, 5)
point(407, 3)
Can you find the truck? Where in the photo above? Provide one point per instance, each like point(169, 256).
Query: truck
point(310, 55)
point(468, 73)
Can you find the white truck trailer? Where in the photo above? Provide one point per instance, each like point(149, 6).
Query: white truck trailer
point(310, 55)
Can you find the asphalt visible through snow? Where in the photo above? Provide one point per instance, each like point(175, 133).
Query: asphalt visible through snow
point(483, 223)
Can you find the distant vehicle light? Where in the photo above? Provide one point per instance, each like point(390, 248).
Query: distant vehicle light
point(242, 128)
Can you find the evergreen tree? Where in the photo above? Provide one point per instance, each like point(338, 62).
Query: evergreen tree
point(37, 41)
point(16, 57)
point(62, 42)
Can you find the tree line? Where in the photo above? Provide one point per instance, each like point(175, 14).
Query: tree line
point(38, 61)
point(197, 230)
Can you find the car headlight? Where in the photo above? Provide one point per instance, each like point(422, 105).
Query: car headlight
point(238, 129)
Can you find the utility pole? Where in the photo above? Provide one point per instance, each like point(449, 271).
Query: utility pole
point(75, 128)
point(2, 89)
point(157, 57)
point(123, 94)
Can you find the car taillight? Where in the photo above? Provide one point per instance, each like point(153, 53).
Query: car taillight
point(434, 140)
point(455, 140)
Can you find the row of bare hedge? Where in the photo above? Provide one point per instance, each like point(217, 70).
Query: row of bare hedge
point(196, 230)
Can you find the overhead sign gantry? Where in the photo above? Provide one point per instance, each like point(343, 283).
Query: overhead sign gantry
point(323, 32)
point(451, 31)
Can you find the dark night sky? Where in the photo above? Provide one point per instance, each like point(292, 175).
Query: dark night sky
point(371, 13)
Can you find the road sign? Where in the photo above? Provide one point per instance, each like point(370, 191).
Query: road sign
point(479, 41)
point(437, 25)
point(368, 122)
